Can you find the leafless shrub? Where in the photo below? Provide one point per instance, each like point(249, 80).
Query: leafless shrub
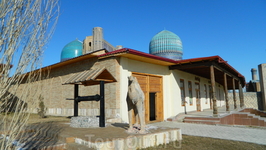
point(25, 28)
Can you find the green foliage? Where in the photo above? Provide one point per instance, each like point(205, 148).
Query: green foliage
point(42, 109)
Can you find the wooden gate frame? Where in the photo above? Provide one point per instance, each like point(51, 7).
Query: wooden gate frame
point(93, 76)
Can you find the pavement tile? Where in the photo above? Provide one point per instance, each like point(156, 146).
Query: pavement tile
point(245, 134)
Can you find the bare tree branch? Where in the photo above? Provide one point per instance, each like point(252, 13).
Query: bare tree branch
point(26, 26)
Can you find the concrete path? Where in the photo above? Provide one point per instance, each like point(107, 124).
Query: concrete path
point(245, 134)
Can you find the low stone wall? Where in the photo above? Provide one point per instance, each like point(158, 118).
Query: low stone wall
point(84, 122)
point(109, 113)
point(134, 142)
point(251, 99)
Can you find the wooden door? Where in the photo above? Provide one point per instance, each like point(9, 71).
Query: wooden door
point(155, 88)
point(198, 102)
point(152, 87)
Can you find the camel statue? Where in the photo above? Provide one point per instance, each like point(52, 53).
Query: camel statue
point(135, 102)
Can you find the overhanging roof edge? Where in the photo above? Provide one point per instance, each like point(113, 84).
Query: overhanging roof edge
point(90, 76)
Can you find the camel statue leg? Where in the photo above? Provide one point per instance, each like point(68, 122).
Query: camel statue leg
point(130, 112)
point(136, 117)
point(141, 116)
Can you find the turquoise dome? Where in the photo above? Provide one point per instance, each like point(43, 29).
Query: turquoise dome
point(71, 50)
point(166, 44)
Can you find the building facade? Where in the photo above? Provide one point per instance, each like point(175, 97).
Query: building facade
point(170, 86)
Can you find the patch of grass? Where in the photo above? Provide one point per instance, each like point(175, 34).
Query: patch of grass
point(205, 143)
point(34, 118)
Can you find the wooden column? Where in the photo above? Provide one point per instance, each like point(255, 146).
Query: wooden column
point(215, 111)
point(241, 96)
point(76, 103)
point(226, 92)
point(234, 93)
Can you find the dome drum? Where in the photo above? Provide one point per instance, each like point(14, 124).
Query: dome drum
point(174, 56)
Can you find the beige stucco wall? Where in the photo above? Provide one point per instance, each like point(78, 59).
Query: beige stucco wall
point(172, 101)
point(205, 102)
point(127, 67)
point(171, 89)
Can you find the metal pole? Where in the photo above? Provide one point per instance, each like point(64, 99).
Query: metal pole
point(76, 104)
point(102, 109)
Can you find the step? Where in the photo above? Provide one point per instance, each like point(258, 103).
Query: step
point(202, 121)
point(203, 118)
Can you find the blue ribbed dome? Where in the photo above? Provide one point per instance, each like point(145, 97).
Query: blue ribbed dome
point(166, 44)
point(71, 50)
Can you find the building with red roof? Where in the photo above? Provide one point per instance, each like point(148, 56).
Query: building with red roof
point(170, 85)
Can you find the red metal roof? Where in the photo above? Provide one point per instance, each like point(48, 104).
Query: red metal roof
point(132, 51)
point(178, 62)
point(153, 59)
point(216, 59)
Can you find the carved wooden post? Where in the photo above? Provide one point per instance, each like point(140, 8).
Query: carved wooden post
point(215, 111)
point(241, 96)
point(76, 103)
point(226, 92)
point(234, 93)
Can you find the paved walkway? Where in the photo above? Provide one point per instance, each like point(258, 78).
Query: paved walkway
point(245, 134)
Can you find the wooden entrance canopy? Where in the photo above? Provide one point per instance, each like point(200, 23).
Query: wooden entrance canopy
point(201, 67)
point(91, 77)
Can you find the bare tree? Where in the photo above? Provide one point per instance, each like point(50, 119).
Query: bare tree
point(25, 28)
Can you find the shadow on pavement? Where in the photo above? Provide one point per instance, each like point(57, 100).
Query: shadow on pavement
point(40, 135)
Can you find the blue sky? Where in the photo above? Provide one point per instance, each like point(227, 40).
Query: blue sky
point(233, 29)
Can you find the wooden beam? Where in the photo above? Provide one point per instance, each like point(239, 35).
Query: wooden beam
point(215, 111)
point(192, 65)
point(198, 67)
point(218, 67)
point(105, 80)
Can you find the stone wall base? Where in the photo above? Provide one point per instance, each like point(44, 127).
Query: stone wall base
point(110, 114)
point(134, 142)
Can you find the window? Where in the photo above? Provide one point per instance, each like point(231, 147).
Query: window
point(190, 93)
point(182, 90)
point(205, 94)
